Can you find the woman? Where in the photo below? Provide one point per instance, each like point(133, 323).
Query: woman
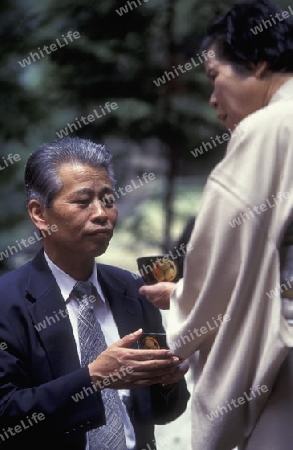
point(232, 309)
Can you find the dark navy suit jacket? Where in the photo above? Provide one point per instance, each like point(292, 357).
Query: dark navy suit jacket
point(40, 370)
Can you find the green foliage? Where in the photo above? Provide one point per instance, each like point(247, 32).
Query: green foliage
point(116, 59)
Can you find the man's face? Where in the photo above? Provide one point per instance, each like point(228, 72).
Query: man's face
point(235, 95)
point(84, 218)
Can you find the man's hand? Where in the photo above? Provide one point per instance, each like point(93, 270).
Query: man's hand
point(175, 375)
point(121, 367)
point(158, 294)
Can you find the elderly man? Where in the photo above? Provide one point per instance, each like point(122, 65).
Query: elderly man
point(70, 369)
point(233, 308)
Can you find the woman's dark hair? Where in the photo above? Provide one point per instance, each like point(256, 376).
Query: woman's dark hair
point(252, 32)
point(42, 180)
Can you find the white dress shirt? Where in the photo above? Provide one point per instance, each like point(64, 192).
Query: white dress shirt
point(108, 325)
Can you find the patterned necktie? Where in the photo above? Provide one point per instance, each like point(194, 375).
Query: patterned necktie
point(92, 342)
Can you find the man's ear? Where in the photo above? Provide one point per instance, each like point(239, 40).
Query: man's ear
point(36, 211)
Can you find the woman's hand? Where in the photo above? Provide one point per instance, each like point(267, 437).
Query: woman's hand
point(158, 294)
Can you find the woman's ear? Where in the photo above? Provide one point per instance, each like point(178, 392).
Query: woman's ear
point(261, 69)
point(36, 211)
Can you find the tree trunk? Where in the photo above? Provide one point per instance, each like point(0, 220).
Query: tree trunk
point(168, 198)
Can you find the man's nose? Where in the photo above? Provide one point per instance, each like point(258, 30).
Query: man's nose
point(99, 211)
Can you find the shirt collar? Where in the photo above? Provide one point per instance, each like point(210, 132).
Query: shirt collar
point(66, 282)
point(285, 92)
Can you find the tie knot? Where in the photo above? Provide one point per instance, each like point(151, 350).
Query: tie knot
point(84, 290)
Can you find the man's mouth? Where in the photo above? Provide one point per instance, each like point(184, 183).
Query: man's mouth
point(102, 232)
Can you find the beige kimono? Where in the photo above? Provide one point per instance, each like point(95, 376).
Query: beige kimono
point(227, 312)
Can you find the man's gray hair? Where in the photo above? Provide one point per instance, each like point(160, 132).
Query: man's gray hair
point(42, 181)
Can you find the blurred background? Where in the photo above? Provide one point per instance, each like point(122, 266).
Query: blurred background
point(126, 53)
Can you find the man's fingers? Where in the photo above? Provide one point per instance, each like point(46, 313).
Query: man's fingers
point(156, 364)
point(139, 354)
point(129, 339)
point(176, 374)
point(146, 355)
point(140, 382)
point(149, 382)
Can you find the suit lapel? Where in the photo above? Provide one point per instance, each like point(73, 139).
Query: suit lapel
point(54, 328)
point(126, 310)
point(48, 313)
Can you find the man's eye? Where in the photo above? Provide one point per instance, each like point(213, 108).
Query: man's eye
point(82, 202)
point(108, 200)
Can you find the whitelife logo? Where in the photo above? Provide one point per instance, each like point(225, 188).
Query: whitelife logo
point(271, 22)
point(168, 76)
point(87, 119)
point(132, 5)
point(23, 425)
point(198, 332)
point(42, 52)
point(235, 403)
point(9, 160)
point(269, 204)
point(11, 250)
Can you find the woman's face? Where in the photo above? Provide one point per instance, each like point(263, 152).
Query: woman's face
point(235, 94)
